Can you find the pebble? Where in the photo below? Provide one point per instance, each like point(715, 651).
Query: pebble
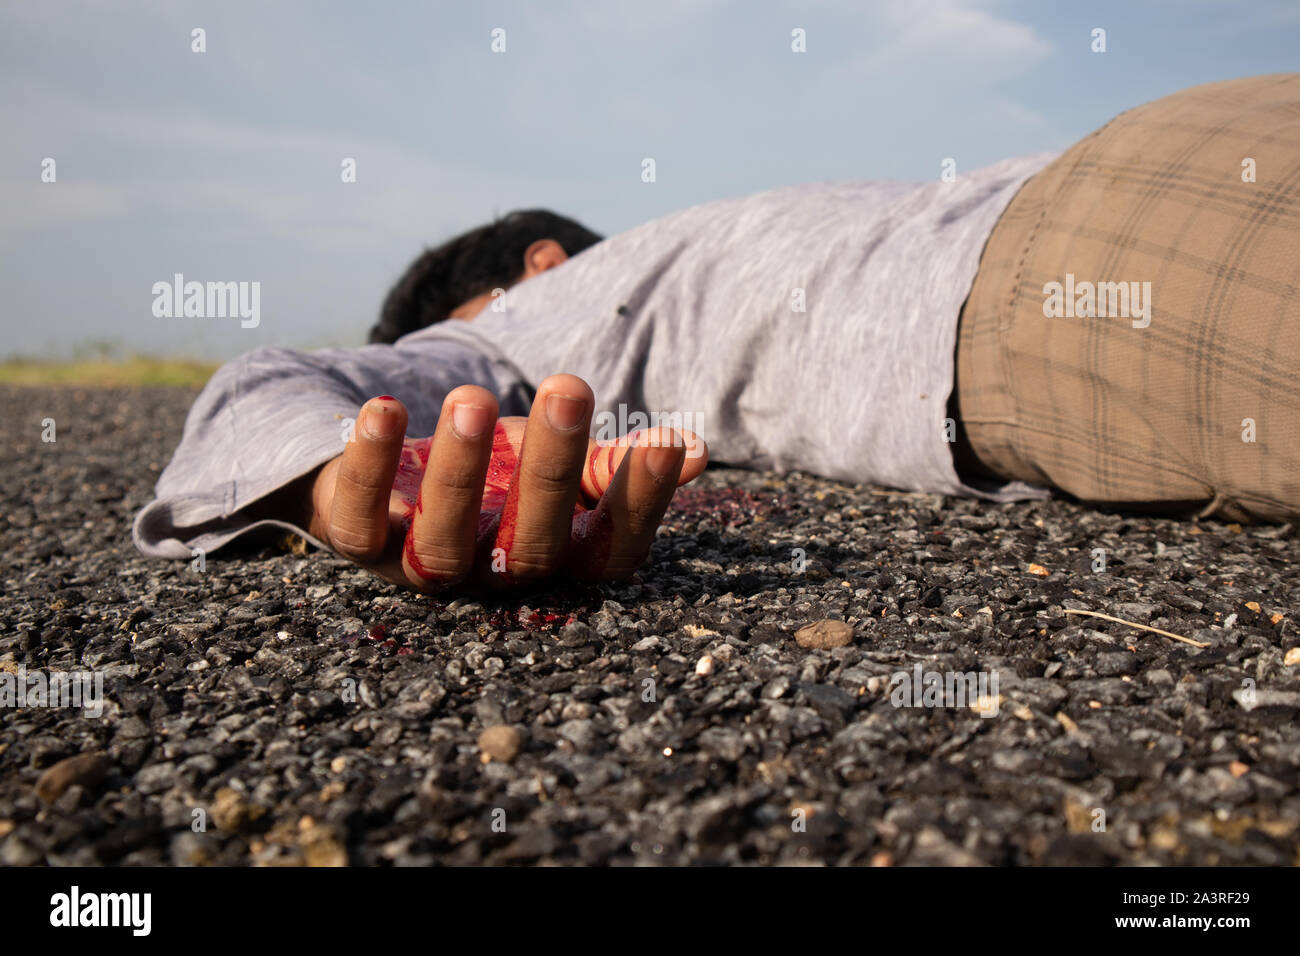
point(232, 813)
point(704, 666)
point(321, 846)
point(581, 733)
point(825, 634)
point(84, 769)
point(775, 688)
point(576, 634)
point(16, 851)
point(501, 743)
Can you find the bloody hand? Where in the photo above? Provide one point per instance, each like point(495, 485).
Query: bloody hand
point(506, 501)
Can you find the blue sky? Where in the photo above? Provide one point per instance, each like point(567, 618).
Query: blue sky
point(225, 165)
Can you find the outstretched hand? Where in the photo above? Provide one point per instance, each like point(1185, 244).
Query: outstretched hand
point(501, 501)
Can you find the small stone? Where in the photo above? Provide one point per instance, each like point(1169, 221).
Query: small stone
point(825, 634)
point(576, 634)
point(332, 791)
point(1039, 570)
point(581, 733)
point(1078, 818)
point(189, 849)
point(704, 666)
point(722, 742)
point(1064, 720)
point(84, 769)
point(832, 704)
point(155, 778)
point(775, 688)
point(232, 813)
point(321, 846)
point(16, 851)
point(501, 743)
point(1292, 657)
point(1164, 838)
point(694, 630)
point(1237, 768)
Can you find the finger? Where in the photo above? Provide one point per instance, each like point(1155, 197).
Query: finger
point(440, 543)
point(533, 535)
point(613, 540)
point(358, 525)
point(604, 460)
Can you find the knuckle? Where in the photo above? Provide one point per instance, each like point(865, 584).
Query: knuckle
point(356, 544)
point(455, 501)
point(356, 479)
point(459, 485)
point(442, 556)
point(532, 558)
point(551, 476)
point(644, 516)
point(638, 516)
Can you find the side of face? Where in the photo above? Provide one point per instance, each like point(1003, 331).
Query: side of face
point(542, 256)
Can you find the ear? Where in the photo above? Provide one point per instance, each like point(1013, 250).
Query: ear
point(542, 255)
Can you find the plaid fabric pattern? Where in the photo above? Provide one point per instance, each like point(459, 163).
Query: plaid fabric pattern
point(1199, 409)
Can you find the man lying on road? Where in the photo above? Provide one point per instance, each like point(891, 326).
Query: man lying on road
point(1118, 322)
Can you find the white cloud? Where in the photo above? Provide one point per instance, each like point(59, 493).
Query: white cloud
point(962, 27)
point(955, 41)
point(266, 183)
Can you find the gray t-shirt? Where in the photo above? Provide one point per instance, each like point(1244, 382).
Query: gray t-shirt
point(809, 328)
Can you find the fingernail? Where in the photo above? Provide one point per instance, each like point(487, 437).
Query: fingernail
point(470, 421)
point(565, 413)
point(661, 460)
point(381, 421)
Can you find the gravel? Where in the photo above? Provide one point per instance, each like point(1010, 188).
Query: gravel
point(283, 707)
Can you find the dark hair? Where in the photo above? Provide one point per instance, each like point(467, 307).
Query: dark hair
point(483, 259)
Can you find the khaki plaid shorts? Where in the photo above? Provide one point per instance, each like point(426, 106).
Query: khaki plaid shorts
point(1133, 334)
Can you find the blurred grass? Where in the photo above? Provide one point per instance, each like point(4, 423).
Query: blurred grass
point(137, 370)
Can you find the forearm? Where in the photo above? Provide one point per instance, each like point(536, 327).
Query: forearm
point(267, 422)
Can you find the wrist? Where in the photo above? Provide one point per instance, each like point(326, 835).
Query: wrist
point(296, 502)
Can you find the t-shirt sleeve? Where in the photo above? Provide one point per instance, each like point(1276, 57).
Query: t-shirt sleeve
point(275, 414)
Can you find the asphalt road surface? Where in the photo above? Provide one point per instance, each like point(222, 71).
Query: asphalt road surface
point(282, 707)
